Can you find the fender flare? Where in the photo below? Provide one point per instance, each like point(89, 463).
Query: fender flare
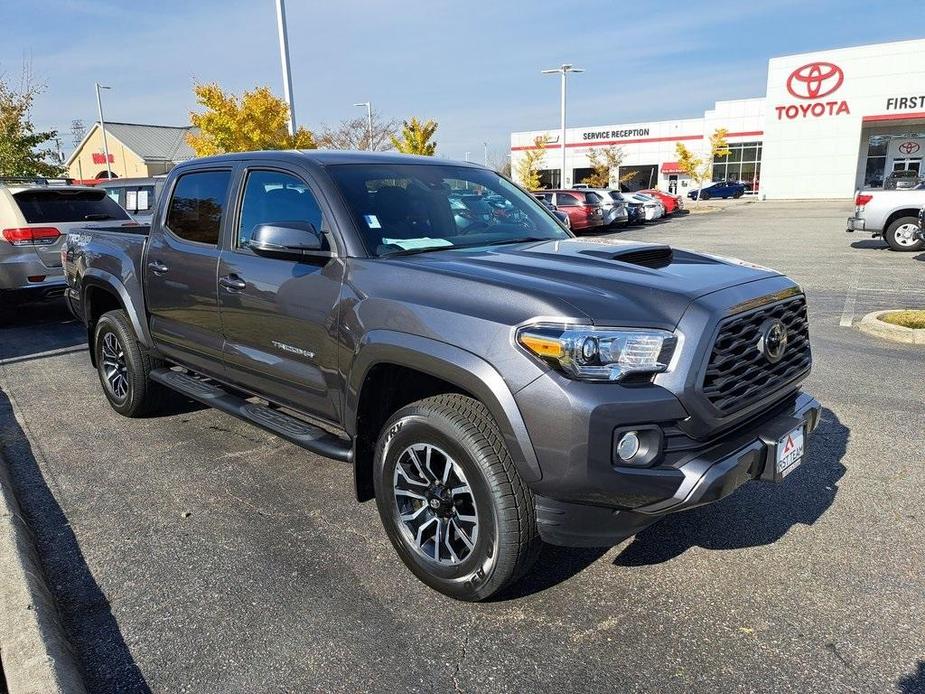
point(94, 277)
point(454, 365)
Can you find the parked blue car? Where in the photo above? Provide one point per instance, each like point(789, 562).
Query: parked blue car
point(722, 189)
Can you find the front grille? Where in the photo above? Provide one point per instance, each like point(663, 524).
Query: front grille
point(739, 373)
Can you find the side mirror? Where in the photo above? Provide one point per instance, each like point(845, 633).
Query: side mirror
point(287, 240)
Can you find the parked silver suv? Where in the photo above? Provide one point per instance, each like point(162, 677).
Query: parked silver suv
point(35, 216)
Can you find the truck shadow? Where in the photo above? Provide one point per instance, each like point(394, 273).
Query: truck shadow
point(756, 514)
point(875, 244)
point(914, 683)
point(30, 329)
point(85, 610)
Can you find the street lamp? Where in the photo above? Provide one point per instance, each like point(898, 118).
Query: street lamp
point(369, 122)
point(563, 70)
point(284, 59)
point(99, 105)
point(485, 153)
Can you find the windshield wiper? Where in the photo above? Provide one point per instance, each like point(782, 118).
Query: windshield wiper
point(501, 242)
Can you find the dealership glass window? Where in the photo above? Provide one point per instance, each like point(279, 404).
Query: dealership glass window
point(579, 175)
point(549, 178)
point(742, 164)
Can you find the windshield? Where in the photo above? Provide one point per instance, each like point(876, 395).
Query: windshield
point(419, 207)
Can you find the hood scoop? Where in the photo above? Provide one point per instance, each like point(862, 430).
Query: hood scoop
point(653, 256)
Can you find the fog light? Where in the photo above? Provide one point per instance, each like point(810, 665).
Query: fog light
point(628, 446)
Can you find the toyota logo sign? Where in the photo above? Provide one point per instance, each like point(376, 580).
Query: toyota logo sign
point(815, 80)
point(909, 147)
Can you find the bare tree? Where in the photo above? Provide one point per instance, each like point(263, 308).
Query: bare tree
point(500, 161)
point(353, 133)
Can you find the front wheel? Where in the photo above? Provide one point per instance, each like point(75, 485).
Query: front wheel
point(901, 235)
point(451, 500)
point(704, 196)
point(123, 367)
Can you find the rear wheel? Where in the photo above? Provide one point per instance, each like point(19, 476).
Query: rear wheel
point(704, 196)
point(901, 235)
point(451, 500)
point(123, 367)
point(737, 195)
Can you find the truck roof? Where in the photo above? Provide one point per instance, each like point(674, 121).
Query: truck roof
point(327, 157)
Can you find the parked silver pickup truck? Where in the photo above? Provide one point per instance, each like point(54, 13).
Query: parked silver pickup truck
point(891, 214)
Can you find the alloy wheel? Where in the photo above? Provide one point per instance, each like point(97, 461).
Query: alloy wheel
point(436, 506)
point(905, 234)
point(115, 369)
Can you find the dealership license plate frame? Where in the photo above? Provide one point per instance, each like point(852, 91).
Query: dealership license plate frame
point(776, 442)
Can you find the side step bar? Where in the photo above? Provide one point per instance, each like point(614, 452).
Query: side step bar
point(294, 430)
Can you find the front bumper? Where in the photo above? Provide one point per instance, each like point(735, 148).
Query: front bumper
point(705, 476)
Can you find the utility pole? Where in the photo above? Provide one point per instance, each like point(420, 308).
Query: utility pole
point(99, 105)
point(563, 70)
point(284, 59)
point(369, 122)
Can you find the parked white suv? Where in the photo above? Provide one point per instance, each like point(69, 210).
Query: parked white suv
point(35, 216)
point(892, 214)
point(614, 210)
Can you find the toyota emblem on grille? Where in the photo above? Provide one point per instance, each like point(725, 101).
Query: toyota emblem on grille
point(773, 340)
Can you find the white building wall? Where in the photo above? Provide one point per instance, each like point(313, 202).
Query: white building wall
point(812, 146)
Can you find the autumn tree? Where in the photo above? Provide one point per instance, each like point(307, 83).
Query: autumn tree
point(257, 120)
point(415, 137)
point(500, 162)
point(700, 169)
point(527, 169)
point(354, 133)
point(605, 161)
point(22, 151)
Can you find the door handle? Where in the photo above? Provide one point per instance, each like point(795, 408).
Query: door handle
point(157, 267)
point(232, 283)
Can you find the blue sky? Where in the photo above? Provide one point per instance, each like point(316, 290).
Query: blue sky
point(474, 67)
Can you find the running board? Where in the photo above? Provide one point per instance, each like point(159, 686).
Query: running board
point(294, 430)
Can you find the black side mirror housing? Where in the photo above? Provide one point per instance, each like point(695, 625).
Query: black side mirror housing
point(287, 240)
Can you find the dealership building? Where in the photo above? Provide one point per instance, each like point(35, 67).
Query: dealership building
point(830, 122)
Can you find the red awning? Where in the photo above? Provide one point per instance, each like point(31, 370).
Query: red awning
point(671, 167)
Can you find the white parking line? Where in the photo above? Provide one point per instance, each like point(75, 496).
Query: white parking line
point(847, 314)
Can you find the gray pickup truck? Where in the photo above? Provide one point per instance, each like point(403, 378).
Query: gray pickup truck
point(492, 380)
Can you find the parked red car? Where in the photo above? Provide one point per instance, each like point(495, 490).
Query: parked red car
point(671, 202)
point(582, 207)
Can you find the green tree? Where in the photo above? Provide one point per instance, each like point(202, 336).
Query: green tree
point(415, 137)
point(700, 169)
point(257, 120)
point(527, 169)
point(21, 146)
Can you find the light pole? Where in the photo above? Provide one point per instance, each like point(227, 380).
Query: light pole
point(467, 155)
point(284, 59)
point(485, 153)
point(369, 122)
point(563, 70)
point(99, 106)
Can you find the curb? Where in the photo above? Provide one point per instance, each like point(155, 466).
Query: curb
point(872, 325)
point(35, 654)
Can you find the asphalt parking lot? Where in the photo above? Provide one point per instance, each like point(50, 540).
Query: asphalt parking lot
point(192, 552)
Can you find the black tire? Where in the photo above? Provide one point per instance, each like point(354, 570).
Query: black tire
point(736, 196)
point(897, 240)
point(506, 542)
point(704, 196)
point(138, 394)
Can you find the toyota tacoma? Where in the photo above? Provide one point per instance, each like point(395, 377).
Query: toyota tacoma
point(493, 381)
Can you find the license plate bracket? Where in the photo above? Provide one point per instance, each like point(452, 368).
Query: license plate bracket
point(786, 450)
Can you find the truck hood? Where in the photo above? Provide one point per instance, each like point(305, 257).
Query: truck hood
point(611, 282)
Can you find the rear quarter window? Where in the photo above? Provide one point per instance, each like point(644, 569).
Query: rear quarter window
point(49, 206)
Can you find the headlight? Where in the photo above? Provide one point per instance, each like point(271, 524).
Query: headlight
point(587, 353)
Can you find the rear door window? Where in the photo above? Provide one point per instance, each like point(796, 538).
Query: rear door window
point(566, 200)
point(593, 198)
point(197, 206)
point(49, 206)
